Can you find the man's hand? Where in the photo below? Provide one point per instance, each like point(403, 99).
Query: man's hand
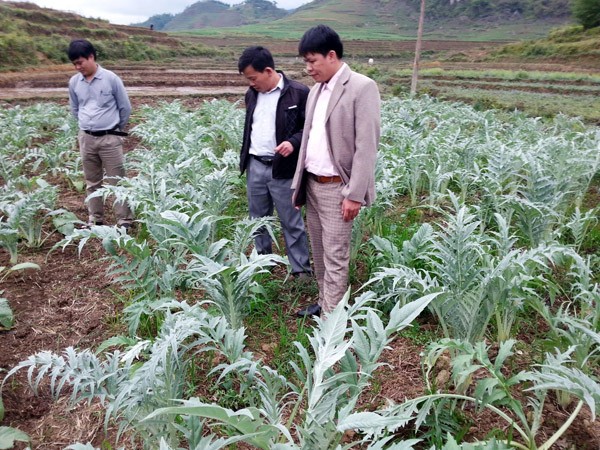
point(285, 148)
point(350, 209)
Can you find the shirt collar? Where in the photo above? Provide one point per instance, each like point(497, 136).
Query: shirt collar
point(334, 79)
point(279, 84)
point(98, 73)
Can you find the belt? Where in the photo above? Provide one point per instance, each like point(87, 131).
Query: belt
point(324, 179)
point(105, 132)
point(266, 160)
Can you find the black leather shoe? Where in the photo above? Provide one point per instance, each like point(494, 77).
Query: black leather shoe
point(90, 224)
point(302, 275)
point(126, 226)
point(311, 310)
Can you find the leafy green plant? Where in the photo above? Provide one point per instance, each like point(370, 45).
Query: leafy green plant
point(23, 215)
point(442, 145)
point(479, 275)
point(22, 127)
point(574, 326)
point(225, 124)
point(328, 386)
point(227, 276)
point(580, 224)
point(494, 392)
point(183, 254)
point(9, 435)
point(145, 377)
point(477, 265)
point(148, 273)
point(142, 382)
point(6, 313)
point(9, 239)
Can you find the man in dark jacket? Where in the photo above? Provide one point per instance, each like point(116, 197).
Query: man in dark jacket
point(272, 136)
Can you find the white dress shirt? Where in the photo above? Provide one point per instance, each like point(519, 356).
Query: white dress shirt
point(318, 160)
point(262, 136)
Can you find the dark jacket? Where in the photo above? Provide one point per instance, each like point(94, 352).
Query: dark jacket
point(289, 122)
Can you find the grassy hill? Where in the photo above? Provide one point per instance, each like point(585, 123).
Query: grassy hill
point(203, 14)
point(569, 43)
point(213, 13)
point(476, 20)
point(494, 10)
point(30, 35)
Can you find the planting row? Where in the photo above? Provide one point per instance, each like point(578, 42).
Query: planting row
point(509, 236)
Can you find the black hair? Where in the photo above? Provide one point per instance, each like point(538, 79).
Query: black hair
point(258, 57)
point(80, 48)
point(321, 39)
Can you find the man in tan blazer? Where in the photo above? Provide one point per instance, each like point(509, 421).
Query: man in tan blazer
point(335, 175)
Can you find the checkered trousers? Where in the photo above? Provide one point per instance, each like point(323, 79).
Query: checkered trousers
point(329, 239)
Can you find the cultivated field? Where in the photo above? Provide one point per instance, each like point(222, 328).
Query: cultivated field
point(451, 70)
point(486, 224)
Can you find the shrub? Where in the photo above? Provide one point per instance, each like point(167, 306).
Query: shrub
point(587, 12)
point(16, 50)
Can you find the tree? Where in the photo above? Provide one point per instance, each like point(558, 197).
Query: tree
point(587, 12)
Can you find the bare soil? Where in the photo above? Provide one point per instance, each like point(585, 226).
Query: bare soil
point(72, 301)
point(69, 302)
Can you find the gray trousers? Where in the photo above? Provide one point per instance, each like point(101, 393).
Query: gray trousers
point(330, 240)
point(101, 154)
point(265, 193)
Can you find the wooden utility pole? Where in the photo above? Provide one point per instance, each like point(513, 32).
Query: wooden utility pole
point(415, 75)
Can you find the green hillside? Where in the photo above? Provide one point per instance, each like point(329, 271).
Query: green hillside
point(495, 10)
point(476, 20)
point(203, 14)
point(213, 13)
point(30, 35)
point(359, 17)
point(570, 43)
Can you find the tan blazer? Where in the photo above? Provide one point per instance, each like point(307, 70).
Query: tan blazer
point(353, 126)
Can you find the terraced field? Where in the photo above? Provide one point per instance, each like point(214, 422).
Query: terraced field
point(538, 90)
point(141, 81)
point(451, 70)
